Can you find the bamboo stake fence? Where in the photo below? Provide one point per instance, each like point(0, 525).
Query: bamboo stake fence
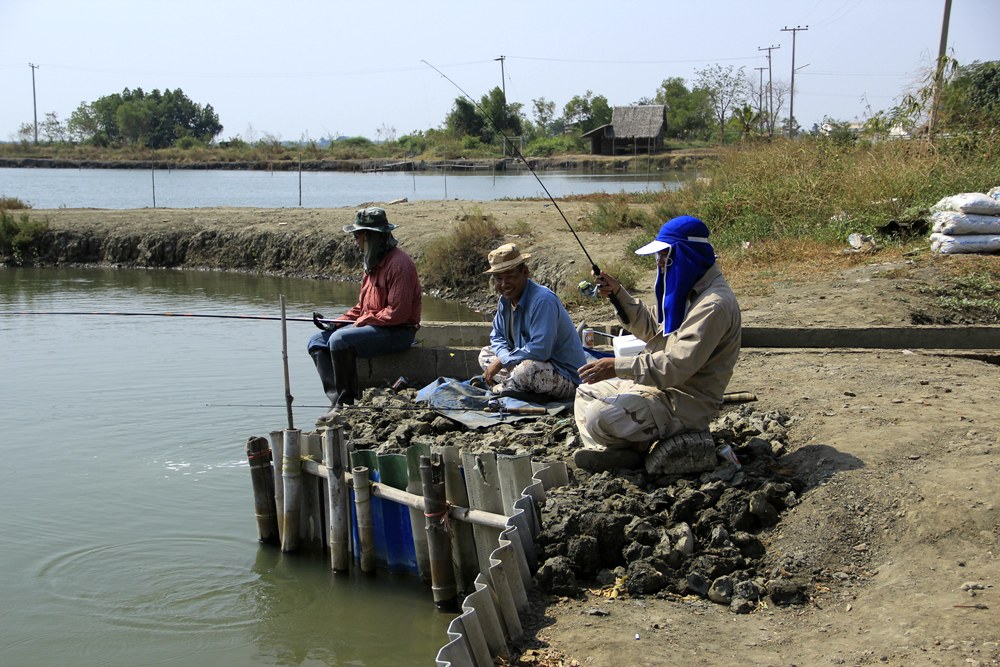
point(464, 523)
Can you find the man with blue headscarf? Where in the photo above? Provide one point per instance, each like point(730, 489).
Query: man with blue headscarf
point(675, 385)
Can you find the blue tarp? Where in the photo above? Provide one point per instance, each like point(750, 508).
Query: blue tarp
point(476, 407)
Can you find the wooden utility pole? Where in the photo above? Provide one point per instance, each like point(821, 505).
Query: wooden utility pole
point(760, 92)
point(503, 80)
point(503, 89)
point(791, 95)
point(939, 73)
point(34, 99)
point(770, 90)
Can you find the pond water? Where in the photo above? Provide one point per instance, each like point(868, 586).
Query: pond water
point(184, 188)
point(128, 510)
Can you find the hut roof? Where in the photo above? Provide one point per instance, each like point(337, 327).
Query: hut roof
point(638, 122)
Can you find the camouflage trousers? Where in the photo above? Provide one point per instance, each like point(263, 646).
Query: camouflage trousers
point(529, 376)
point(619, 413)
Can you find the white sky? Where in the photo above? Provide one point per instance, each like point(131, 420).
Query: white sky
point(326, 68)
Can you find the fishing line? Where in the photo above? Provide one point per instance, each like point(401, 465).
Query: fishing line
point(135, 314)
point(517, 153)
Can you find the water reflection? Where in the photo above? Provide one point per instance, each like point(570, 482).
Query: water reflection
point(352, 631)
point(213, 292)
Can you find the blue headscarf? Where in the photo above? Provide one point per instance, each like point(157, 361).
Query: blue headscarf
point(690, 256)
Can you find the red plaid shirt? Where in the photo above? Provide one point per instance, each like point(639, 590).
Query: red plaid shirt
point(390, 295)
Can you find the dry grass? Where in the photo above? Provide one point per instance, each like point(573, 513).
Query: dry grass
point(457, 260)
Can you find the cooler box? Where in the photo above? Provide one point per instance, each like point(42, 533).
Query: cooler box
point(627, 346)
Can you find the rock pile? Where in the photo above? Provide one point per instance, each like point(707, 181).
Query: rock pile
point(629, 531)
point(676, 535)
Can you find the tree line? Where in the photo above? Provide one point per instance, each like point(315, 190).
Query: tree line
point(133, 118)
point(722, 105)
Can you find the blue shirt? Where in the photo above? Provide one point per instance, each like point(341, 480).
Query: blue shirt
point(540, 329)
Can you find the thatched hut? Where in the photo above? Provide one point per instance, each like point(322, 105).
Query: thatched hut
point(633, 130)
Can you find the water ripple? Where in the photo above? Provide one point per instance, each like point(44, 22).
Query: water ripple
point(178, 584)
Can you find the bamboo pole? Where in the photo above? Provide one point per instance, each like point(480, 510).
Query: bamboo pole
point(438, 534)
point(337, 498)
point(312, 522)
point(413, 485)
point(366, 528)
point(464, 514)
point(262, 478)
point(277, 459)
point(291, 471)
point(463, 542)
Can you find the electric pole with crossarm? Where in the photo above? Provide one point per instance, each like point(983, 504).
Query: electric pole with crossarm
point(791, 96)
point(34, 98)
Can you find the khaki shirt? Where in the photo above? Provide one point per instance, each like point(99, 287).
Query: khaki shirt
point(692, 366)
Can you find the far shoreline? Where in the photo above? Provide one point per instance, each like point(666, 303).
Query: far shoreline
point(597, 164)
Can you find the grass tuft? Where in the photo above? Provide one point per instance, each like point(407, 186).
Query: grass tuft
point(458, 259)
point(12, 204)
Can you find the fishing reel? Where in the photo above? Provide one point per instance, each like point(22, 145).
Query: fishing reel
point(588, 288)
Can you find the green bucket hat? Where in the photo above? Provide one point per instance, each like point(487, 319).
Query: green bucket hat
point(372, 219)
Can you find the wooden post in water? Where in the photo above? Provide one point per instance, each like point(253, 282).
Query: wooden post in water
point(277, 456)
point(262, 478)
point(337, 498)
point(438, 533)
point(284, 363)
point(291, 473)
point(366, 527)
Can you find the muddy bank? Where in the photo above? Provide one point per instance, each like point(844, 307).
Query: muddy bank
point(295, 242)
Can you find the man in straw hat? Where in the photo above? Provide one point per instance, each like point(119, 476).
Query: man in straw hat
point(384, 320)
point(676, 384)
point(534, 347)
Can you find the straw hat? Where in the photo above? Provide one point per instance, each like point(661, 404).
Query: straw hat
point(506, 257)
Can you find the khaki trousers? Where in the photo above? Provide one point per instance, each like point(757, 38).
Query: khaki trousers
point(619, 413)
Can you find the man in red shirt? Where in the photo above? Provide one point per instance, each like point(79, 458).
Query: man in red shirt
point(384, 320)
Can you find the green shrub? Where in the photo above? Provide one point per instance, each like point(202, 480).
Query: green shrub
point(458, 259)
point(17, 236)
point(548, 146)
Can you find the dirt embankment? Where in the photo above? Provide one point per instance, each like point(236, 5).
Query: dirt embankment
point(289, 162)
point(891, 542)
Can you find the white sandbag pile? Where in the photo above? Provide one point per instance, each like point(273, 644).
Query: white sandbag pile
point(967, 222)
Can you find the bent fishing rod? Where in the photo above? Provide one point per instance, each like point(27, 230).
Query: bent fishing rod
point(517, 153)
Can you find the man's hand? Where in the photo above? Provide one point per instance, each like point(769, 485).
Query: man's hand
point(492, 370)
point(595, 371)
point(325, 324)
point(607, 285)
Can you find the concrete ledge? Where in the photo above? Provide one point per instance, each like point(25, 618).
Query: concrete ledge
point(451, 349)
point(880, 338)
point(420, 365)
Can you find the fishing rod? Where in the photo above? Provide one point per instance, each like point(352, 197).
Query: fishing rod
point(168, 314)
point(489, 407)
point(517, 153)
point(728, 397)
